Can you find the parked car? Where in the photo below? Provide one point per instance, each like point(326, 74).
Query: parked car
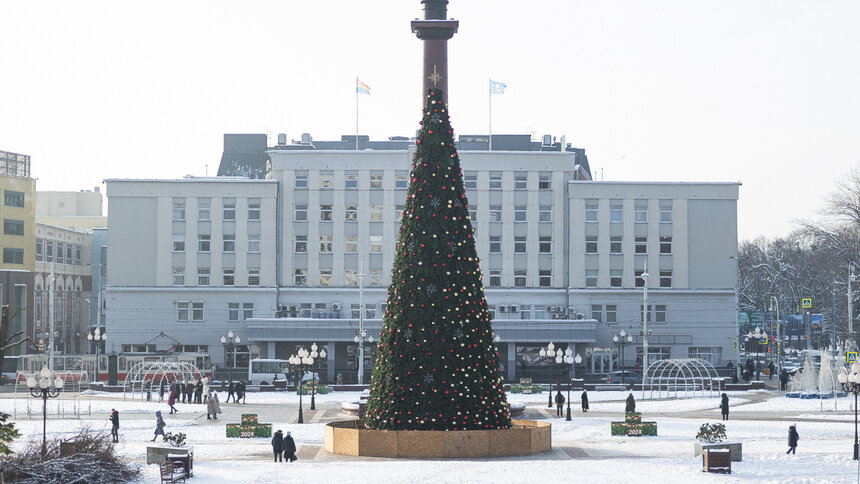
point(629, 377)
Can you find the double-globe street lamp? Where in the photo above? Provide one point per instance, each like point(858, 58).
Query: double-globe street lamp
point(550, 352)
point(851, 383)
point(360, 337)
point(42, 386)
point(570, 360)
point(230, 345)
point(757, 335)
point(301, 360)
point(314, 355)
point(622, 341)
point(97, 337)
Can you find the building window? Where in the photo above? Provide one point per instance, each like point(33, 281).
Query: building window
point(495, 244)
point(254, 210)
point(13, 256)
point(520, 244)
point(495, 213)
point(376, 182)
point(545, 213)
point(591, 278)
point(641, 315)
point(376, 277)
point(473, 215)
point(229, 277)
point(520, 278)
point(178, 243)
point(253, 277)
point(203, 209)
point(495, 278)
point(591, 210)
point(13, 227)
point(545, 244)
point(471, 182)
point(495, 182)
point(182, 310)
point(49, 251)
point(544, 278)
point(203, 241)
point(351, 213)
point(325, 213)
point(398, 213)
point(254, 245)
point(712, 355)
point(60, 248)
point(641, 211)
point(229, 209)
point(178, 276)
point(77, 255)
point(351, 181)
point(202, 277)
point(591, 244)
point(665, 211)
point(665, 278)
point(615, 245)
point(301, 182)
point(38, 249)
point(301, 213)
point(197, 311)
point(179, 209)
point(545, 182)
point(350, 245)
point(301, 245)
point(659, 313)
point(665, 245)
point(351, 277)
point(229, 243)
point(326, 182)
point(401, 182)
point(520, 181)
point(232, 311)
point(611, 313)
point(376, 213)
point(615, 277)
point(69, 249)
point(300, 277)
point(325, 277)
point(520, 214)
point(525, 311)
point(375, 244)
point(597, 312)
point(325, 243)
point(13, 199)
point(616, 210)
point(247, 310)
point(638, 280)
point(641, 245)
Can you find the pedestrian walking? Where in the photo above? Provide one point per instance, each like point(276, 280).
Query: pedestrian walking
point(213, 407)
point(278, 445)
point(559, 404)
point(114, 420)
point(198, 392)
point(631, 404)
point(793, 437)
point(734, 376)
point(339, 379)
point(770, 370)
point(206, 386)
point(171, 399)
point(783, 380)
point(289, 448)
point(182, 390)
point(584, 398)
point(231, 389)
point(189, 391)
point(241, 392)
point(161, 388)
point(159, 426)
point(724, 406)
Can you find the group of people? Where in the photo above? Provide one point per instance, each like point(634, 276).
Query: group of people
point(559, 402)
point(236, 391)
point(283, 447)
point(180, 391)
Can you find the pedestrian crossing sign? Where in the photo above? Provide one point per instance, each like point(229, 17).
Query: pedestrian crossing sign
point(806, 302)
point(851, 357)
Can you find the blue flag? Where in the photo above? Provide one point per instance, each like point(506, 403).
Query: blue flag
point(497, 87)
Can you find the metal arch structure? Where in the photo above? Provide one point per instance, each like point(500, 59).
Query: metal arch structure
point(692, 376)
point(146, 376)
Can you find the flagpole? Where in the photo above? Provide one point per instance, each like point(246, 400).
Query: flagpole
point(491, 114)
point(356, 113)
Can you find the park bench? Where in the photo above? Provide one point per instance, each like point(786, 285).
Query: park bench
point(171, 475)
point(717, 460)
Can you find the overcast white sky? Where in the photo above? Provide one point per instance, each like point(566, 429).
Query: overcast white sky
point(762, 92)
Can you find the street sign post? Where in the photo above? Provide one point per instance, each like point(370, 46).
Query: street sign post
point(806, 302)
point(851, 357)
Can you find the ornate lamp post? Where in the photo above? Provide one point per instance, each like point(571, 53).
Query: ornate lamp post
point(360, 337)
point(42, 386)
point(570, 360)
point(757, 336)
point(622, 341)
point(314, 356)
point(97, 337)
point(230, 342)
point(851, 383)
point(300, 361)
point(549, 352)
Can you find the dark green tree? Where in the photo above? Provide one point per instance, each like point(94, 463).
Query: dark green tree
point(8, 433)
point(437, 367)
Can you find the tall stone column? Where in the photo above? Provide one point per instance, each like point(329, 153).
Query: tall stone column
point(434, 31)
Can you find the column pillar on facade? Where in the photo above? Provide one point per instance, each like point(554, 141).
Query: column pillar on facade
point(270, 349)
point(512, 361)
point(330, 359)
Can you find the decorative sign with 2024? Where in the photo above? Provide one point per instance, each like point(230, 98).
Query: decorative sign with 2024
point(249, 428)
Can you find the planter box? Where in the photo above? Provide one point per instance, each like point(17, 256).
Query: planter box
point(735, 447)
point(155, 454)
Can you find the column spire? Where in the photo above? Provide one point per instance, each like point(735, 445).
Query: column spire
point(435, 30)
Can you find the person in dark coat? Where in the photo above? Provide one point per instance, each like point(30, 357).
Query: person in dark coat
point(278, 445)
point(793, 437)
point(189, 391)
point(631, 404)
point(241, 393)
point(161, 388)
point(724, 406)
point(289, 448)
point(734, 376)
point(770, 370)
point(182, 390)
point(198, 392)
point(584, 399)
point(114, 420)
point(159, 426)
point(231, 390)
point(783, 380)
point(559, 404)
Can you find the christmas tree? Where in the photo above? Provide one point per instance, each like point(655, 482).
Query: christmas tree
point(437, 367)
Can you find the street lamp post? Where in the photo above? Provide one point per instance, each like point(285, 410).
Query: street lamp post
point(851, 383)
point(360, 337)
point(570, 360)
point(549, 352)
point(314, 355)
point(42, 386)
point(97, 337)
point(757, 336)
point(775, 302)
point(622, 341)
point(230, 343)
point(301, 360)
point(851, 278)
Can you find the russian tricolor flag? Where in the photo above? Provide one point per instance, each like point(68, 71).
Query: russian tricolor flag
point(361, 87)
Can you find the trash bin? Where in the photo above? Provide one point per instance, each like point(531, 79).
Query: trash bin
point(148, 396)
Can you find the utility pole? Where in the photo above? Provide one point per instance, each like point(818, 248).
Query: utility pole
point(51, 318)
point(851, 342)
point(833, 323)
point(644, 325)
